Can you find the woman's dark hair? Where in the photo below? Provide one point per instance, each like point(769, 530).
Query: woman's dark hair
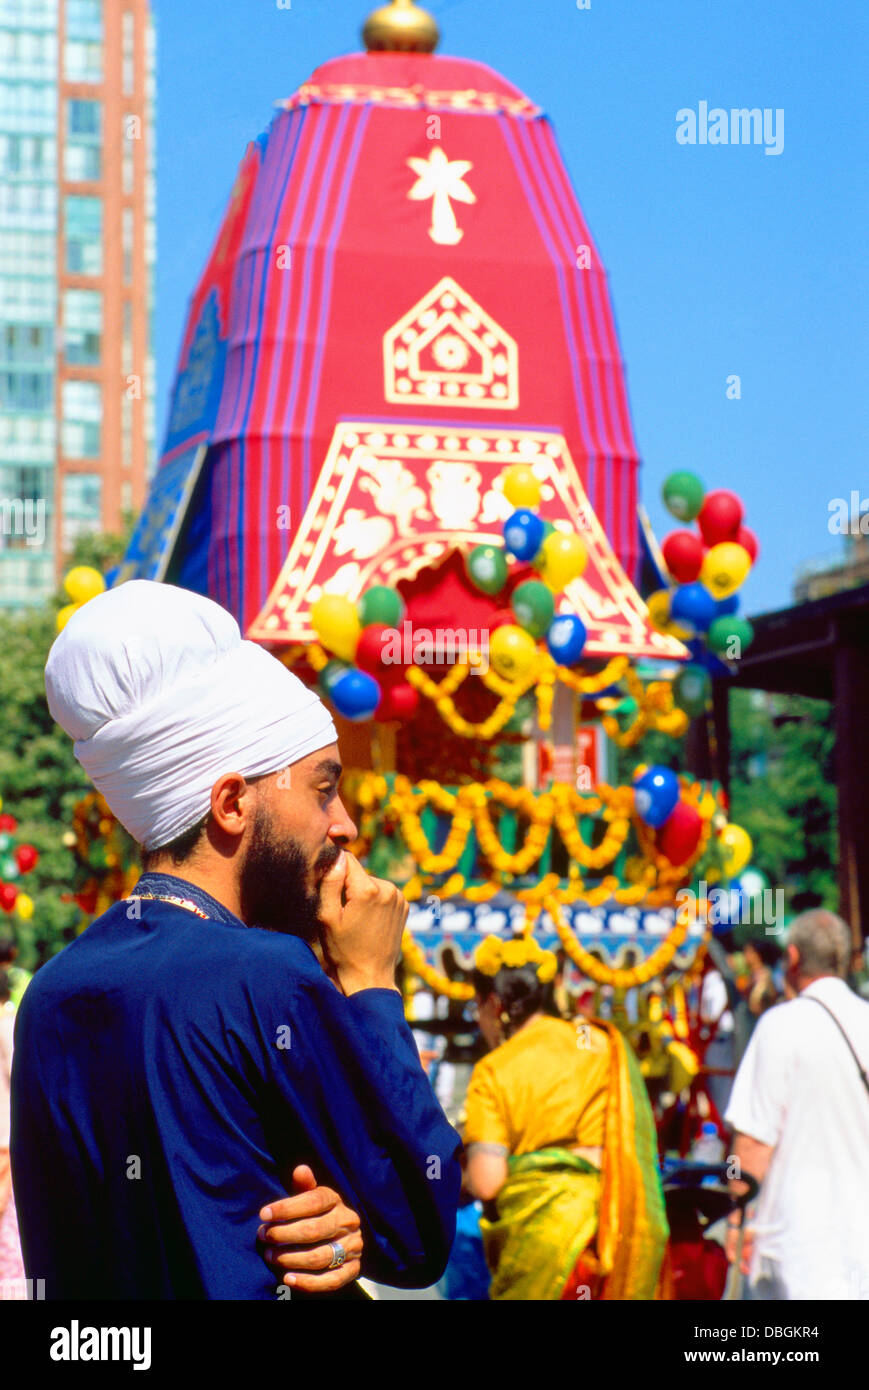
point(769, 951)
point(518, 988)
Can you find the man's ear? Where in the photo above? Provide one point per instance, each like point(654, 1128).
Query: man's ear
point(792, 957)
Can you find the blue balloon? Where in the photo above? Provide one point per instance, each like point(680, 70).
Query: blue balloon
point(725, 606)
point(523, 534)
point(701, 654)
point(693, 606)
point(655, 795)
point(566, 638)
point(355, 695)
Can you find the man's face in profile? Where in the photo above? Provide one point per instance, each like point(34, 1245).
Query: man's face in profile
point(298, 829)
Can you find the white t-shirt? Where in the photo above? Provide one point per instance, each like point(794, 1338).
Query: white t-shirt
point(798, 1090)
point(713, 1003)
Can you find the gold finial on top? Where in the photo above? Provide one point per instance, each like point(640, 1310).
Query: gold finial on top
point(400, 27)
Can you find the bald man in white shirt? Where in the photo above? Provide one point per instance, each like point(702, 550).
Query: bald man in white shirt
point(800, 1112)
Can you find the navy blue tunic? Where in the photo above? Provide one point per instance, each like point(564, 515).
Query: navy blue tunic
point(169, 1072)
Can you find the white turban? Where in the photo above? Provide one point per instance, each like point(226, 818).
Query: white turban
point(162, 697)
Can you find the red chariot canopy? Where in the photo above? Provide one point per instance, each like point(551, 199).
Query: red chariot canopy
point(404, 298)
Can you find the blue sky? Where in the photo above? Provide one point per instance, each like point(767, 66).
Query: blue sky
point(721, 259)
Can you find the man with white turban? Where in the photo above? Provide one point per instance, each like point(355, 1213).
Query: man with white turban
point(235, 1020)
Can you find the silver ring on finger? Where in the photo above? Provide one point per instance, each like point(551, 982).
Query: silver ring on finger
point(339, 1254)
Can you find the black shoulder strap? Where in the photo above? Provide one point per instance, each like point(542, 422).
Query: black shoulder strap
point(814, 1000)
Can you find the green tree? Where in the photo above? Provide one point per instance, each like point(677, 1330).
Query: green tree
point(783, 789)
point(40, 778)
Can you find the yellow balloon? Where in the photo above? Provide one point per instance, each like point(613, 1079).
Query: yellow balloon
point(563, 559)
point(520, 486)
point(658, 605)
point(724, 568)
point(336, 623)
point(64, 615)
point(83, 583)
point(24, 906)
point(512, 652)
point(738, 849)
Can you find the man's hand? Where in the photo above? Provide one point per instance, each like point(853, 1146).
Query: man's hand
point(361, 924)
point(297, 1233)
point(731, 1245)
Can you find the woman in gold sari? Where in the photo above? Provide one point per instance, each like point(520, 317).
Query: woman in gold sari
point(560, 1144)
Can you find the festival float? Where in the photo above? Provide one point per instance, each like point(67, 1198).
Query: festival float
point(400, 452)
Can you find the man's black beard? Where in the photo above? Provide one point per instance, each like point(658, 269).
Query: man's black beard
point(273, 887)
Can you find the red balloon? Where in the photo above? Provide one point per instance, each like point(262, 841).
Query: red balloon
point(369, 649)
point(720, 517)
point(8, 894)
point(679, 836)
point(748, 540)
point(501, 618)
point(683, 555)
point(399, 702)
point(8, 822)
point(26, 857)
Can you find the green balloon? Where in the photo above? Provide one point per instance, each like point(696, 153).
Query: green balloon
point(9, 869)
point(533, 604)
point(683, 495)
point(730, 636)
point(692, 689)
point(487, 568)
point(5, 841)
point(380, 604)
point(331, 672)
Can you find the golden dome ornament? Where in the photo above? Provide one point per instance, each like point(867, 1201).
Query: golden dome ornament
point(400, 27)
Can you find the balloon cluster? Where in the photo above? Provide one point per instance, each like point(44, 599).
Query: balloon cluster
point(557, 558)
point(81, 583)
point(659, 803)
point(364, 680)
point(15, 861)
point(366, 676)
point(708, 565)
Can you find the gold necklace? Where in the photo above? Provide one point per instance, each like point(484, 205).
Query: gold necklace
point(168, 898)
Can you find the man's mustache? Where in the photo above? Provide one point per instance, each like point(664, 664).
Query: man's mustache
point(326, 858)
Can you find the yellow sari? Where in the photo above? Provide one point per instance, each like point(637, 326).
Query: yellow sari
point(556, 1208)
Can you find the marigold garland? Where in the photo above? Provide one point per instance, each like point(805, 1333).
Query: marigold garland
point(602, 974)
point(494, 954)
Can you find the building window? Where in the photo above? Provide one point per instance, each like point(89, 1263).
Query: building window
point(84, 235)
point(81, 505)
point(82, 327)
point(26, 390)
point(82, 405)
point(81, 163)
point(84, 19)
point(84, 119)
point(128, 40)
point(127, 244)
point(128, 156)
point(82, 153)
point(126, 432)
point(25, 342)
point(127, 339)
point(82, 62)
